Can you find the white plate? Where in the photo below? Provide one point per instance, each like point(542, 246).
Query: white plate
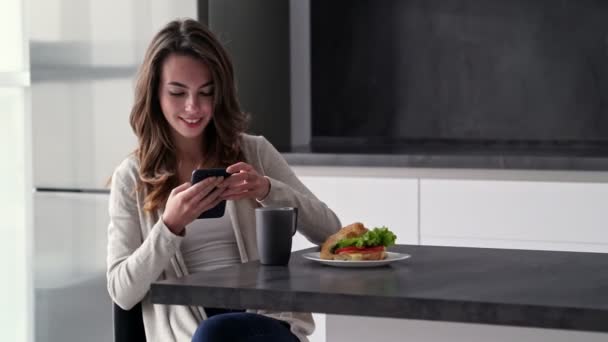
point(390, 257)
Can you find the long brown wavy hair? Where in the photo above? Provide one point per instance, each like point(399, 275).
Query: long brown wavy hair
point(156, 152)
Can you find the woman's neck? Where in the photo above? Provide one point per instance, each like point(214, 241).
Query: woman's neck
point(190, 156)
point(189, 152)
point(188, 161)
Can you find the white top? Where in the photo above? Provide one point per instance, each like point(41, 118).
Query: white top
point(210, 244)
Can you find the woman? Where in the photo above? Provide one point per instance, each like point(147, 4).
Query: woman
point(186, 116)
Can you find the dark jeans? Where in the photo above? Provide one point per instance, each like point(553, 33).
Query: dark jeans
point(237, 326)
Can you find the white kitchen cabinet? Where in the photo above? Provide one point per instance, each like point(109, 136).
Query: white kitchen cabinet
point(356, 328)
point(514, 214)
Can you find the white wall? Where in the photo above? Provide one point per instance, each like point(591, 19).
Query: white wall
point(15, 288)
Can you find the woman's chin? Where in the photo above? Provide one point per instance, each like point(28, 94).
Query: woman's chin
point(191, 132)
point(188, 134)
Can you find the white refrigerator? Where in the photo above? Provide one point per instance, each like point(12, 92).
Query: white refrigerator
point(83, 58)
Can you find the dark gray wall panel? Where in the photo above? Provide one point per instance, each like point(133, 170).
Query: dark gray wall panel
point(256, 34)
point(461, 70)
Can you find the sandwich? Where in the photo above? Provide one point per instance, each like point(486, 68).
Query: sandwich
point(355, 242)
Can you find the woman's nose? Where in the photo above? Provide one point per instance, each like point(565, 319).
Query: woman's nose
point(192, 104)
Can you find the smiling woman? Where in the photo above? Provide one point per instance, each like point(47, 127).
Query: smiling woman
point(186, 79)
point(186, 116)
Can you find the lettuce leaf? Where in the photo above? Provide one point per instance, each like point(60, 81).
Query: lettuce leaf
point(372, 238)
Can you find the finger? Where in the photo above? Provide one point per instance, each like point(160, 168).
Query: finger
point(207, 182)
point(246, 188)
point(240, 187)
point(207, 189)
point(229, 193)
point(212, 205)
point(251, 176)
point(247, 176)
point(239, 196)
point(208, 202)
point(180, 188)
point(243, 179)
point(235, 178)
point(240, 166)
point(217, 201)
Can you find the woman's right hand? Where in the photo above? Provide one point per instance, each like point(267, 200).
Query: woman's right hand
point(186, 202)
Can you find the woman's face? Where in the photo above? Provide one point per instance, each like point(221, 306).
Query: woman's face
point(186, 95)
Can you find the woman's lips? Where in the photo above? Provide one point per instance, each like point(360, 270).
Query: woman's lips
point(192, 122)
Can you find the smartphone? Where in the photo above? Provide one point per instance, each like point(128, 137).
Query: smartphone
point(200, 174)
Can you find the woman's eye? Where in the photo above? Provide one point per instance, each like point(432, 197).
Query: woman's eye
point(175, 94)
point(207, 91)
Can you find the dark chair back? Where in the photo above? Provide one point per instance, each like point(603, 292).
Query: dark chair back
point(128, 324)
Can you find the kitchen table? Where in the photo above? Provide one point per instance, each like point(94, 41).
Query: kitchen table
point(547, 289)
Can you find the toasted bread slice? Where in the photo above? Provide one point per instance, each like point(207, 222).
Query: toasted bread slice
point(350, 231)
point(379, 255)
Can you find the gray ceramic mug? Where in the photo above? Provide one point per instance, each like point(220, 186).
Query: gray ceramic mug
point(275, 228)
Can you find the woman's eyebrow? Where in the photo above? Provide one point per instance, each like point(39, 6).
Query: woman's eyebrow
point(181, 85)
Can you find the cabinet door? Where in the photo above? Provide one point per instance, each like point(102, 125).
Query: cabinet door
point(69, 259)
point(375, 202)
point(514, 214)
point(357, 328)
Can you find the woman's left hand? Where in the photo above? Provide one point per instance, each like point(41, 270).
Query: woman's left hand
point(244, 182)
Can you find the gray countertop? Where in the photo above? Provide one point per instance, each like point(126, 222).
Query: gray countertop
point(453, 160)
point(563, 290)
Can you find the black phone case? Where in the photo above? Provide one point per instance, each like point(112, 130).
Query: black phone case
point(200, 174)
